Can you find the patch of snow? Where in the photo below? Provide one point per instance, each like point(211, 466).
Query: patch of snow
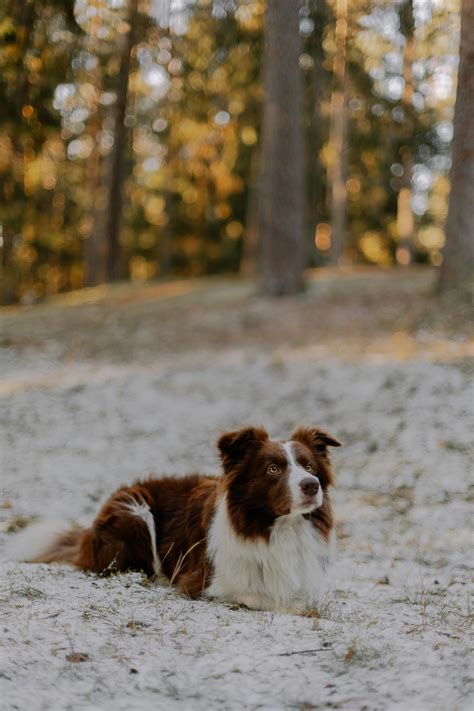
point(392, 632)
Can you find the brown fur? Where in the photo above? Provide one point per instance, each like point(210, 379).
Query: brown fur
point(256, 498)
point(118, 541)
point(183, 508)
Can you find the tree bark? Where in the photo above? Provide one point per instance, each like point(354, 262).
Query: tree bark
point(317, 132)
point(405, 215)
point(23, 13)
point(457, 268)
point(282, 186)
point(165, 239)
point(248, 260)
point(338, 140)
point(316, 129)
point(95, 244)
point(118, 154)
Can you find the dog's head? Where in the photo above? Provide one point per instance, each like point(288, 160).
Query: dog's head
point(266, 479)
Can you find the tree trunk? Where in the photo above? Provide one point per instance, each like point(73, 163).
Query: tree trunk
point(23, 13)
point(282, 187)
point(7, 276)
point(248, 260)
point(95, 244)
point(118, 154)
point(317, 209)
point(457, 268)
point(405, 215)
point(338, 140)
point(165, 239)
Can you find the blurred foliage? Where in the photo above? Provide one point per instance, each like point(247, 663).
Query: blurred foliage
point(193, 118)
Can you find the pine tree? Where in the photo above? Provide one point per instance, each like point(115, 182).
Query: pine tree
point(337, 169)
point(115, 196)
point(282, 189)
point(458, 260)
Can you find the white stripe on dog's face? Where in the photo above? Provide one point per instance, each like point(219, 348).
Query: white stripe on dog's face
point(296, 474)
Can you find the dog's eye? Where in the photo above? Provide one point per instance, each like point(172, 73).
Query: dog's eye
point(309, 468)
point(273, 469)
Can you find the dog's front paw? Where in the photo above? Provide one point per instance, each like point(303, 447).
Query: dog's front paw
point(252, 601)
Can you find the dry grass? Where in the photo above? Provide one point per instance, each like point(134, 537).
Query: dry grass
point(352, 312)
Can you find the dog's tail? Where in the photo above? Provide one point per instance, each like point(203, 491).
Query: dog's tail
point(47, 542)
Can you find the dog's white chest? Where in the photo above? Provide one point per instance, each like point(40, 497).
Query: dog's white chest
point(287, 573)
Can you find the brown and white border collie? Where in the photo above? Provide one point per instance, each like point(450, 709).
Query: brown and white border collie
point(259, 535)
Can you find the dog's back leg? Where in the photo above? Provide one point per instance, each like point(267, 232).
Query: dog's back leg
point(122, 537)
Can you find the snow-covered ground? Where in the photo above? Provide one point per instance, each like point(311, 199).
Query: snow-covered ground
point(393, 633)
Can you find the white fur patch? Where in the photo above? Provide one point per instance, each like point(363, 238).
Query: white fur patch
point(286, 574)
point(296, 474)
point(30, 543)
point(142, 510)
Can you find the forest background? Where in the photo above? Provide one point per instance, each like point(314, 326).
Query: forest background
point(135, 138)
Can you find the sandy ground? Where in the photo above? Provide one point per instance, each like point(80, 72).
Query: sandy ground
point(100, 388)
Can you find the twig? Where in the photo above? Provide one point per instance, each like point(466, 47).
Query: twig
point(304, 651)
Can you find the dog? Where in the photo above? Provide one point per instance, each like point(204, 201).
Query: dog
point(259, 535)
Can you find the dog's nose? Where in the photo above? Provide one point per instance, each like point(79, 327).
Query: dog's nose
point(309, 486)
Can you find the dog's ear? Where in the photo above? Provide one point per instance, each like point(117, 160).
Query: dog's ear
point(234, 446)
point(314, 438)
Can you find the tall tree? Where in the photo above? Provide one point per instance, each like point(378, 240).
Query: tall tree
point(35, 48)
point(405, 215)
point(21, 16)
point(282, 187)
point(338, 138)
point(95, 244)
point(248, 261)
point(458, 259)
point(317, 95)
point(120, 145)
